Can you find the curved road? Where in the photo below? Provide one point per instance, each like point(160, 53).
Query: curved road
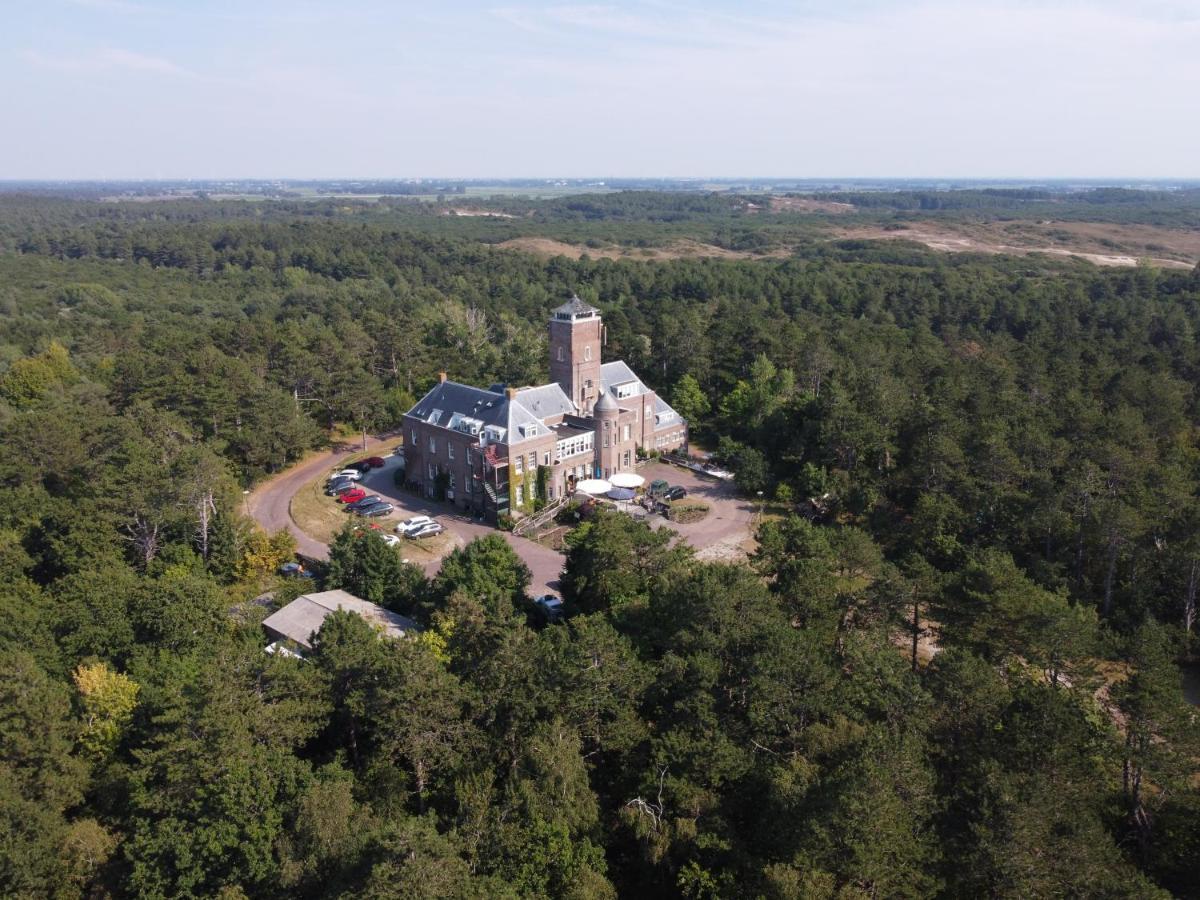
point(269, 504)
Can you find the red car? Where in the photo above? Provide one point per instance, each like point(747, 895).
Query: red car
point(352, 496)
point(375, 462)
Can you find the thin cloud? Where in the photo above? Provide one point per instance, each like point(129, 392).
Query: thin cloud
point(105, 59)
point(116, 6)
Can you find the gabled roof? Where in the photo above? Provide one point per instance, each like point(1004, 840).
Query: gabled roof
point(575, 309)
point(616, 372)
point(304, 616)
point(546, 400)
point(449, 398)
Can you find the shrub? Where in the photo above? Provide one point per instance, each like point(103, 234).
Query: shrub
point(686, 511)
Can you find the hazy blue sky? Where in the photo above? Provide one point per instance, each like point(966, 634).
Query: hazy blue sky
point(288, 88)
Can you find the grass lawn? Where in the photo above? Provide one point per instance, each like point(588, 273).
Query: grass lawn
point(322, 517)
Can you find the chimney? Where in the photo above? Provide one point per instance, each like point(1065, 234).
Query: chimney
point(441, 377)
point(510, 393)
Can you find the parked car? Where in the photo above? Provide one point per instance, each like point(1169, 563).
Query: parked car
point(425, 531)
point(658, 487)
point(675, 493)
point(550, 606)
point(392, 540)
point(413, 524)
point(367, 500)
point(375, 462)
point(352, 474)
point(294, 570)
point(342, 488)
point(352, 496)
point(362, 466)
point(377, 509)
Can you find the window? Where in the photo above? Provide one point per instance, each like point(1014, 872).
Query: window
point(626, 459)
point(587, 352)
point(546, 458)
point(649, 410)
point(432, 472)
point(432, 444)
point(414, 437)
point(560, 353)
point(520, 494)
point(452, 482)
point(518, 464)
point(449, 450)
point(624, 434)
point(533, 491)
point(532, 460)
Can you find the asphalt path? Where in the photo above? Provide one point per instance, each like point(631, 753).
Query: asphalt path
point(269, 504)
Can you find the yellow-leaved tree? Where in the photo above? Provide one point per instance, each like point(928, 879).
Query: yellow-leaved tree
point(108, 700)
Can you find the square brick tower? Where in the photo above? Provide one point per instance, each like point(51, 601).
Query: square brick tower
point(575, 339)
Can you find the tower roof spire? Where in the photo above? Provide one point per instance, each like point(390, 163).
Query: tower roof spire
point(575, 309)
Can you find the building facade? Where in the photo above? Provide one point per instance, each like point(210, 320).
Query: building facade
point(499, 450)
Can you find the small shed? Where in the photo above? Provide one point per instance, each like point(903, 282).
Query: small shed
point(303, 617)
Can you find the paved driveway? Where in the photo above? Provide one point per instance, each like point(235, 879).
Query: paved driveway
point(720, 535)
point(729, 523)
point(545, 565)
point(270, 505)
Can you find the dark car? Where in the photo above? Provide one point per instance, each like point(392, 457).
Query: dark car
point(378, 509)
point(362, 502)
point(375, 462)
point(343, 487)
point(429, 530)
point(676, 493)
point(658, 487)
point(294, 570)
point(362, 465)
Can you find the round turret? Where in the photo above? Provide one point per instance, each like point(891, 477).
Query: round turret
point(606, 404)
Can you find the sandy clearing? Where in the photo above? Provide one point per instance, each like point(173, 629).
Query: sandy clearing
point(1099, 243)
point(808, 205)
point(681, 249)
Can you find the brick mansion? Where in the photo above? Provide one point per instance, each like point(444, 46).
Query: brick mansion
point(498, 450)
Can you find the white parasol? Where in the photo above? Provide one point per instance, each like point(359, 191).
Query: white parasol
point(595, 486)
point(627, 480)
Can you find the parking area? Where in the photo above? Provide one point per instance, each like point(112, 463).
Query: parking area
point(729, 524)
point(723, 533)
point(545, 565)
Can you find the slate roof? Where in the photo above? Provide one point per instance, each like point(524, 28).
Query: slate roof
point(546, 401)
point(303, 617)
point(575, 309)
point(448, 398)
point(617, 372)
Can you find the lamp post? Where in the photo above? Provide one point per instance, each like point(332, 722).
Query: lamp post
point(760, 508)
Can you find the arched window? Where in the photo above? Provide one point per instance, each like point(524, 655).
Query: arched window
point(587, 352)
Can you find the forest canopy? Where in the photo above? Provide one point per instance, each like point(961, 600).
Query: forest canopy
point(994, 457)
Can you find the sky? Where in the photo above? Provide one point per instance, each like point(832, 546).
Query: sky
point(810, 88)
